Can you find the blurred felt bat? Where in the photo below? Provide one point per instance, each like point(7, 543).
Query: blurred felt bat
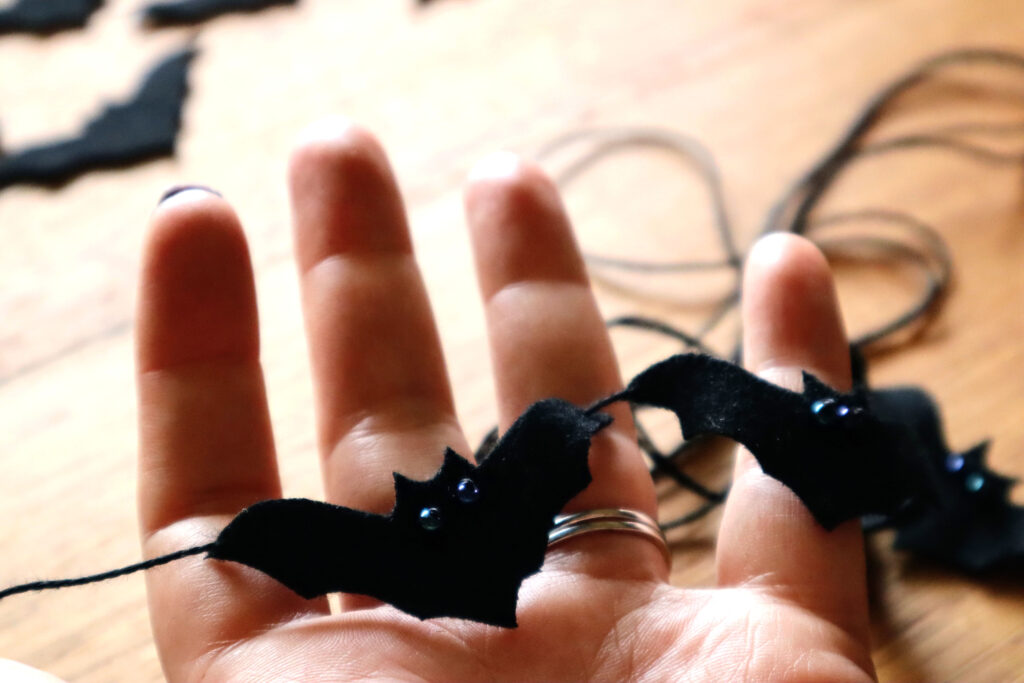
point(974, 527)
point(838, 454)
point(182, 12)
point(142, 128)
point(459, 544)
point(43, 17)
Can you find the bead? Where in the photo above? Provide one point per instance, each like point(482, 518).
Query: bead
point(829, 411)
point(974, 482)
point(430, 519)
point(467, 491)
point(954, 462)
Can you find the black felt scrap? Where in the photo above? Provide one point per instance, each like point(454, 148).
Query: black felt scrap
point(143, 128)
point(843, 461)
point(974, 527)
point(43, 17)
point(471, 566)
point(195, 11)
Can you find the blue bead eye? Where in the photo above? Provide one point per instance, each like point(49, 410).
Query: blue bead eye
point(974, 482)
point(954, 462)
point(829, 411)
point(430, 519)
point(467, 491)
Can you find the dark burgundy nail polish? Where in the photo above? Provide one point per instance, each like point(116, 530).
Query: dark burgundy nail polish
point(178, 189)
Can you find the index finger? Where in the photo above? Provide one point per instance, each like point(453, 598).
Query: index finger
point(206, 449)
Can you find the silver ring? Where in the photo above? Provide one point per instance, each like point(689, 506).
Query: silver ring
point(608, 519)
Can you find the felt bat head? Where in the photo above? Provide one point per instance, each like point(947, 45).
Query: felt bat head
point(841, 457)
point(459, 544)
point(973, 526)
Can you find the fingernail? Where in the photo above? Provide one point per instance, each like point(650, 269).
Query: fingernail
point(497, 166)
point(325, 129)
point(178, 189)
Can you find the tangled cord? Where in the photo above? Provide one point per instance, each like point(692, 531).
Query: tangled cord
point(919, 244)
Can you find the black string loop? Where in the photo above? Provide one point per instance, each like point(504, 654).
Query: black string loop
point(921, 247)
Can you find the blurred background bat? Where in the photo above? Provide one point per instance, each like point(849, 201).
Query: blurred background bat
point(44, 17)
point(142, 128)
point(195, 11)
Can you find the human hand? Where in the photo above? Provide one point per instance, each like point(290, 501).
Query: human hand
point(791, 601)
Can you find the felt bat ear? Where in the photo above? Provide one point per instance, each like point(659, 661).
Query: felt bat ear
point(976, 453)
point(858, 367)
point(990, 488)
point(453, 462)
point(414, 493)
point(815, 389)
point(404, 486)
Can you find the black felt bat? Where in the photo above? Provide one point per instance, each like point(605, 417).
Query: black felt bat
point(143, 128)
point(43, 17)
point(838, 454)
point(194, 11)
point(459, 544)
point(974, 527)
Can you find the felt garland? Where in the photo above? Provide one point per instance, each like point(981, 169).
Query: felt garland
point(461, 543)
point(875, 455)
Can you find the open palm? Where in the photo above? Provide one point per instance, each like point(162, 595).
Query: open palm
point(791, 603)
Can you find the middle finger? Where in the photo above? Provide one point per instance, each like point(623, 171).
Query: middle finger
point(383, 398)
point(548, 339)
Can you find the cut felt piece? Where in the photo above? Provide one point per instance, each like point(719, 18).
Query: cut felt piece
point(457, 545)
point(142, 128)
point(842, 457)
point(974, 526)
point(183, 12)
point(43, 17)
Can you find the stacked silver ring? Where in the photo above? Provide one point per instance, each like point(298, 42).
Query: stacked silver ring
point(608, 519)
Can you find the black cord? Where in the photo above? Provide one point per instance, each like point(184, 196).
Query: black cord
point(104, 576)
point(661, 327)
point(933, 258)
point(607, 141)
point(804, 195)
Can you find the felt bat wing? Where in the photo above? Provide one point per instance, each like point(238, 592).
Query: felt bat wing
point(838, 457)
point(140, 129)
point(194, 11)
point(43, 17)
point(459, 544)
point(974, 526)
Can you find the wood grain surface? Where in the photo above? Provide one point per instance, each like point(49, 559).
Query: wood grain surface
point(765, 84)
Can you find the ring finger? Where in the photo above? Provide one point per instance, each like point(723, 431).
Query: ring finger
point(548, 339)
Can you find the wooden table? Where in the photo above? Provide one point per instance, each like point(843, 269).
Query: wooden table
point(765, 85)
